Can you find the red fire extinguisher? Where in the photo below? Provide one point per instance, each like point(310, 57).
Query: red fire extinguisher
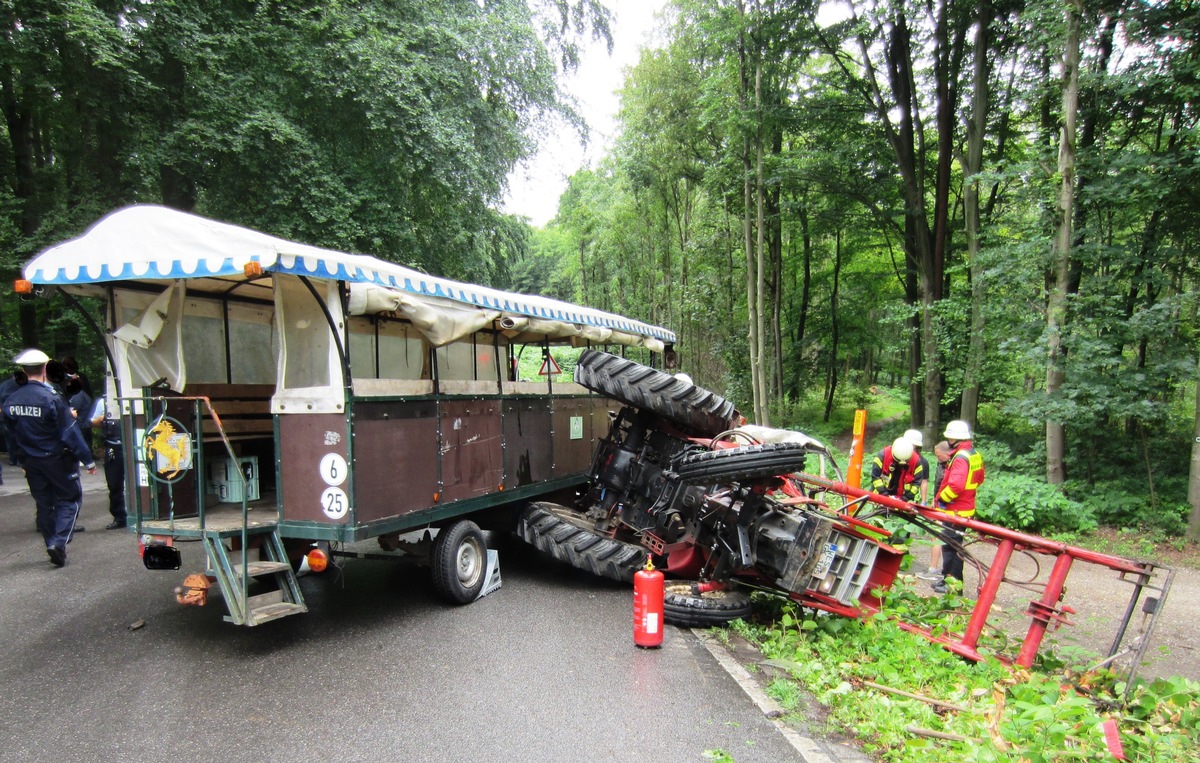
point(648, 606)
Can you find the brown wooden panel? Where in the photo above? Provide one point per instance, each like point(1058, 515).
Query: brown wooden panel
point(527, 452)
point(395, 458)
point(304, 440)
point(574, 455)
point(472, 463)
point(235, 408)
point(241, 426)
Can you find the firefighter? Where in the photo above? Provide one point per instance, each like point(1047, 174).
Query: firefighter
point(50, 449)
point(956, 495)
point(918, 441)
point(897, 471)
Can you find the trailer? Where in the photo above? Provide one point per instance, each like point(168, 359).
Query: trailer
point(281, 401)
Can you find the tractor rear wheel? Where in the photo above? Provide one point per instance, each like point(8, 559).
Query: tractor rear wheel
point(682, 606)
point(679, 401)
point(570, 537)
point(745, 463)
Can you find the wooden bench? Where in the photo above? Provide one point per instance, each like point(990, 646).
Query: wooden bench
point(244, 410)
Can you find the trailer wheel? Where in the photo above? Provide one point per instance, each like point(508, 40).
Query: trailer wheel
point(681, 606)
point(680, 402)
point(459, 562)
point(569, 537)
point(746, 463)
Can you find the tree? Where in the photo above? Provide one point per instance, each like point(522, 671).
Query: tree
point(379, 127)
point(888, 36)
point(1056, 305)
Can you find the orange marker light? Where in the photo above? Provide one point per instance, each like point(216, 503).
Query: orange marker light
point(21, 286)
point(252, 269)
point(318, 560)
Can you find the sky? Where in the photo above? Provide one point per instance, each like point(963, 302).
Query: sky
point(534, 186)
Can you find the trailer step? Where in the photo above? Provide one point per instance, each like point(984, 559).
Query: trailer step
point(261, 568)
point(268, 612)
point(235, 579)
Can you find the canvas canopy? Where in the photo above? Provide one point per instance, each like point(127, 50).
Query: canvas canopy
point(155, 244)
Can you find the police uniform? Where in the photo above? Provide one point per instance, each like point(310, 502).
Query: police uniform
point(114, 460)
point(50, 448)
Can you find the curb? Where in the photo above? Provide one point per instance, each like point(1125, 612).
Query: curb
point(809, 750)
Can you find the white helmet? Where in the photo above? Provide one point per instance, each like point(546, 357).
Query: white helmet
point(902, 449)
point(915, 437)
point(958, 430)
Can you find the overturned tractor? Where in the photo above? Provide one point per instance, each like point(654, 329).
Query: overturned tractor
point(727, 508)
point(712, 501)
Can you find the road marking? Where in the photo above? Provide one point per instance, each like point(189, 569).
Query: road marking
point(810, 751)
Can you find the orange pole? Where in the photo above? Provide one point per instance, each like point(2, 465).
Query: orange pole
point(857, 445)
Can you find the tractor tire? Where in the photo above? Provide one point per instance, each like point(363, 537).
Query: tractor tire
point(745, 463)
point(569, 537)
point(683, 607)
point(459, 562)
point(682, 403)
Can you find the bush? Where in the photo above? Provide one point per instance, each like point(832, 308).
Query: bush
point(1125, 504)
point(1019, 502)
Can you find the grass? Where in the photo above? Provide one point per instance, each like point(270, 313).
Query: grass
point(1046, 714)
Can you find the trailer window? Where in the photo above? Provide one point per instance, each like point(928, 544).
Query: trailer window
point(402, 353)
point(471, 359)
point(362, 347)
point(383, 348)
point(253, 343)
point(310, 377)
point(204, 341)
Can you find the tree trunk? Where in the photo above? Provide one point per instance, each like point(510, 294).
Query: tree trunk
point(752, 261)
point(18, 117)
point(972, 164)
point(1193, 531)
point(805, 294)
point(831, 382)
point(1056, 305)
point(764, 416)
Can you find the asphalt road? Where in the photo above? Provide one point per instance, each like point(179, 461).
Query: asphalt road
point(543, 669)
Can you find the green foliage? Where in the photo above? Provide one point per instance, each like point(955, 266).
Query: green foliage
point(382, 127)
point(1020, 502)
point(1126, 503)
point(1044, 715)
point(661, 226)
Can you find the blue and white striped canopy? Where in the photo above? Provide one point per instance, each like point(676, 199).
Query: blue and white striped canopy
point(152, 243)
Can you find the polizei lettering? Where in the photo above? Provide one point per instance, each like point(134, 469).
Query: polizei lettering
point(25, 410)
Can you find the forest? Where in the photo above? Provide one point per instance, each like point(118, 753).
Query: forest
point(987, 209)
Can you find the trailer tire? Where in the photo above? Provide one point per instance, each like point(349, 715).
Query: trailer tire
point(745, 463)
point(681, 606)
point(569, 537)
point(459, 562)
point(677, 400)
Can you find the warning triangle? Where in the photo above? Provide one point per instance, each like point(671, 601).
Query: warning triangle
point(549, 367)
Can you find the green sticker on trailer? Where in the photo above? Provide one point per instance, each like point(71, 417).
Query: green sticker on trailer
point(576, 427)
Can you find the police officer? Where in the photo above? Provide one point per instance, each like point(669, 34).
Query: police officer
point(105, 418)
point(50, 449)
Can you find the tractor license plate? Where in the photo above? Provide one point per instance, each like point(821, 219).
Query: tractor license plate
point(828, 551)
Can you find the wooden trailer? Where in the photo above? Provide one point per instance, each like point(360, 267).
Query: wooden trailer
point(276, 397)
